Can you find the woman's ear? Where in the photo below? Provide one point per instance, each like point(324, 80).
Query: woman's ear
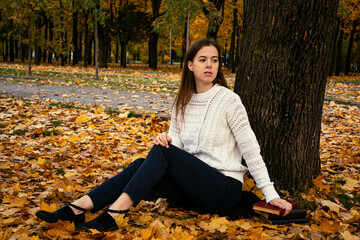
point(190, 65)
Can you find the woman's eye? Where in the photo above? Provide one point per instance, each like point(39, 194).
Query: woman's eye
point(202, 60)
point(215, 60)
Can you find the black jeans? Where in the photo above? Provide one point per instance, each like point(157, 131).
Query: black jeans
point(177, 175)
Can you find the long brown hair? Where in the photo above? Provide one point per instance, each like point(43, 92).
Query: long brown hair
point(187, 85)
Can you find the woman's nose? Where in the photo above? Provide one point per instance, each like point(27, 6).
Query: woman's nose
point(208, 64)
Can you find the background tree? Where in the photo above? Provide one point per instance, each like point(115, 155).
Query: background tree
point(214, 11)
point(154, 35)
point(133, 25)
point(281, 78)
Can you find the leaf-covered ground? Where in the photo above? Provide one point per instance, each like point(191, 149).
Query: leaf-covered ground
point(52, 153)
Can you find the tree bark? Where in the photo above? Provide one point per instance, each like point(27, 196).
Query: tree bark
point(154, 36)
point(338, 53)
point(123, 53)
point(102, 46)
point(349, 50)
point(281, 78)
point(233, 37)
point(46, 23)
point(86, 40)
point(75, 34)
point(38, 36)
point(51, 37)
point(333, 51)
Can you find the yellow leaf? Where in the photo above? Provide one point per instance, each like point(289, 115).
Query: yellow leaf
point(19, 202)
point(217, 223)
point(49, 208)
point(16, 187)
point(333, 206)
point(63, 143)
point(122, 221)
point(83, 135)
point(41, 160)
point(327, 226)
point(350, 184)
point(153, 116)
point(147, 233)
point(35, 238)
point(28, 149)
point(92, 126)
point(82, 119)
point(74, 138)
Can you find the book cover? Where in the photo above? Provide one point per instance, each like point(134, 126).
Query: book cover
point(285, 221)
point(297, 212)
point(264, 207)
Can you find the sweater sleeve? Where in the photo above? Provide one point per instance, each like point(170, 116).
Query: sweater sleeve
point(174, 131)
point(238, 121)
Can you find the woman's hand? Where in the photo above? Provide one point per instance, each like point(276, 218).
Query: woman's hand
point(163, 139)
point(283, 204)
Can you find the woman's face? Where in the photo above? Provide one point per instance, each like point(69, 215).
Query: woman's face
point(205, 66)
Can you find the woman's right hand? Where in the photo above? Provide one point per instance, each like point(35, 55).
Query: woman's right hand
point(163, 139)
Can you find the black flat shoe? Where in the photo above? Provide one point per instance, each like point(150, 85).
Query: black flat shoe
point(103, 223)
point(64, 214)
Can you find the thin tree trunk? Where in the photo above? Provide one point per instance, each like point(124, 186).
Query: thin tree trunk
point(75, 34)
point(233, 37)
point(333, 47)
point(46, 23)
point(87, 48)
point(349, 50)
point(51, 38)
point(123, 53)
point(29, 29)
point(338, 53)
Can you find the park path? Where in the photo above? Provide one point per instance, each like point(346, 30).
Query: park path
point(142, 102)
point(159, 103)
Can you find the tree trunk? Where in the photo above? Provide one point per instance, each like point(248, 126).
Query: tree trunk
point(117, 50)
point(232, 44)
point(38, 36)
point(102, 46)
point(338, 53)
point(12, 56)
point(46, 23)
point(281, 78)
point(154, 37)
point(123, 53)
point(349, 50)
point(86, 40)
point(333, 51)
point(51, 38)
point(214, 26)
point(75, 35)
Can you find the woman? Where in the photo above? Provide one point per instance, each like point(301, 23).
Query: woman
point(196, 164)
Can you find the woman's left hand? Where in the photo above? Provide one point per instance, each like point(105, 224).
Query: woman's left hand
point(283, 204)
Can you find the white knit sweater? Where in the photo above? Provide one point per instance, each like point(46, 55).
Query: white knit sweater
point(217, 131)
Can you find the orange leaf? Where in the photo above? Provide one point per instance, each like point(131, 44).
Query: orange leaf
point(327, 226)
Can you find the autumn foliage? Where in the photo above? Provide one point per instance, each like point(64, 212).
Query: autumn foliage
point(52, 153)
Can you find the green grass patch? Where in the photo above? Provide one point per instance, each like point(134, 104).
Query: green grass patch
point(56, 123)
point(348, 201)
point(67, 105)
point(133, 114)
point(111, 111)
point(20, 132)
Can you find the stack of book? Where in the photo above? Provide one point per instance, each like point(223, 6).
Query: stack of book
point(274, 215)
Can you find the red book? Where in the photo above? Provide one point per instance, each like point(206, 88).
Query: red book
point(264, 207)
